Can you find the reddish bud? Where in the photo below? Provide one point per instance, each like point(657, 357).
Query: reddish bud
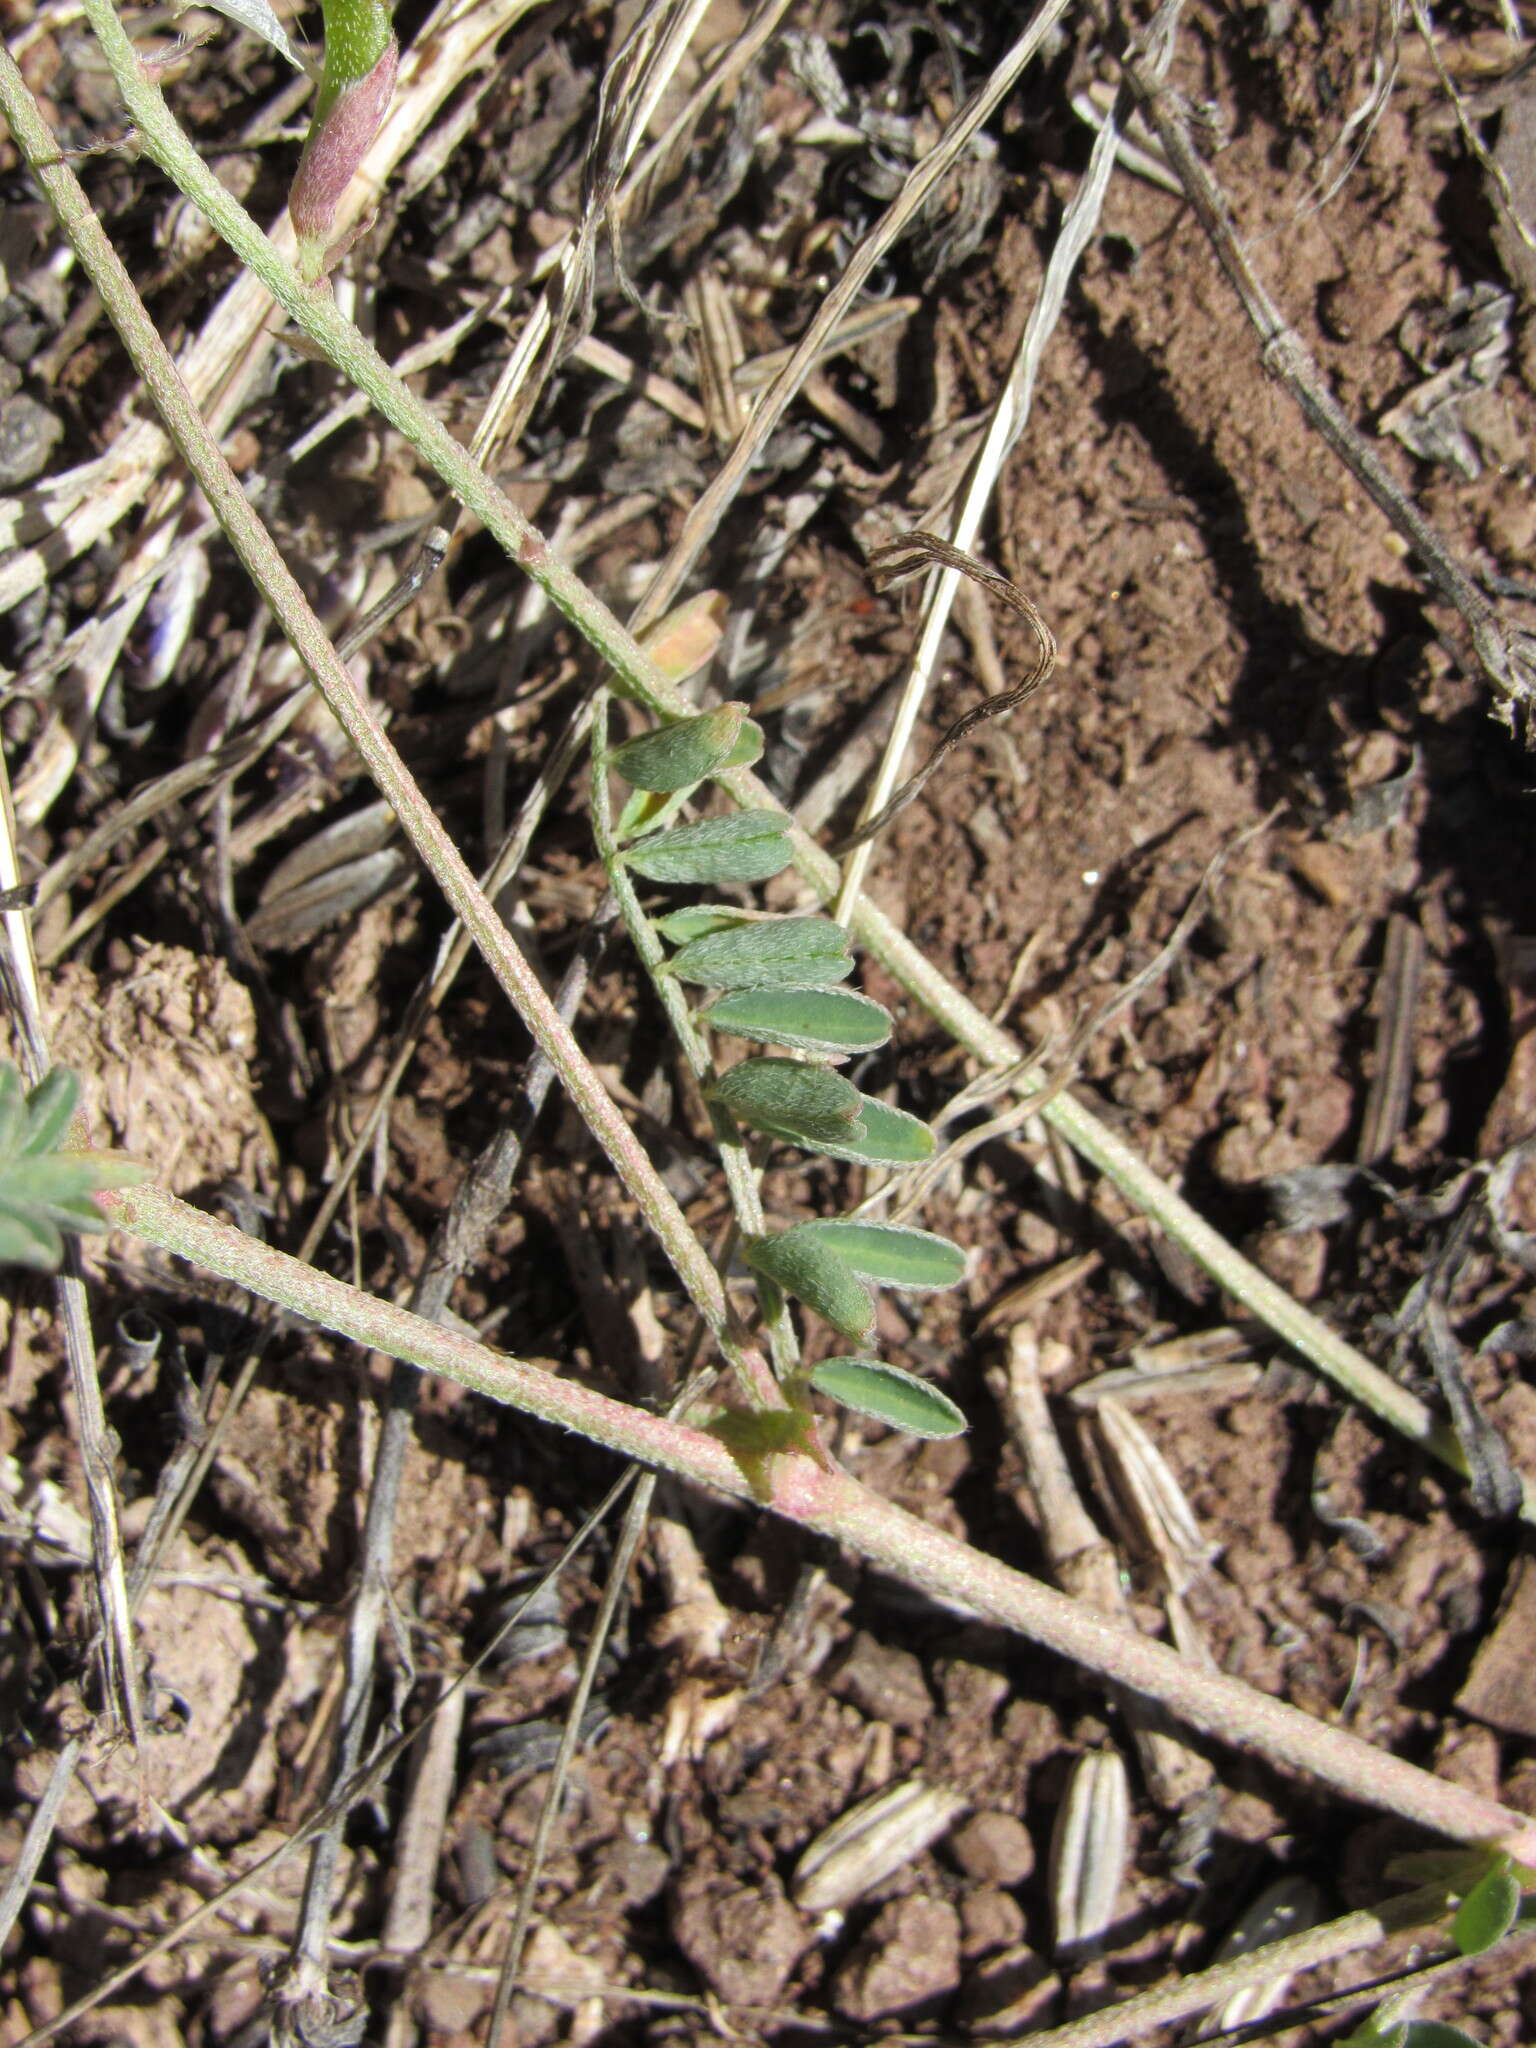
point(336, 146)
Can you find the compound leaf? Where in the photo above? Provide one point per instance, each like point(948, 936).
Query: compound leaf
point(45, 1192)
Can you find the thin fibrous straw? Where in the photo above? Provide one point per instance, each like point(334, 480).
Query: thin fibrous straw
point(1009, 416)
point(628, 93)
point(119, 1665)
point(368, 1780)
point(636, 1515)
point(921, 181)
point(457, 1242)
point(221, 364)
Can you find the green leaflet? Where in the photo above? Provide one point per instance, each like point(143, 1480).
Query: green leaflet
point(37, 1122)
point(810, 952)
point(747, 846)
point(45, 1192)
point(648, 810)
point(899, 1399)
point(1458, 1870)
point(890, 1138)
point(1487, 1913)
point(891, 1255)
point(1385, 2029)
point(677, 756)
point(826, 1020)
point(1378, 2032)
point(680, 927)
point(818, 1277)
point(258, 17)
point(748, 750)
point(789, 1100)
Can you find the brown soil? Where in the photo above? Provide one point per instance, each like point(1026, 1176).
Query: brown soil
point(1241, 640)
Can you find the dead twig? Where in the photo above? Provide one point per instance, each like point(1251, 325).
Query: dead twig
point(460, 1238)
point(1387, 1104)
point(909, 555)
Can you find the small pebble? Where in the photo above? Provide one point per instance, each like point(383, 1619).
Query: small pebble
point(28, 432)
point(885, 1683)
point(994, 1848)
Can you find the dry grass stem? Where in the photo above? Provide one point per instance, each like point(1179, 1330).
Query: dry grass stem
point(919, 185)
point(1009, 418)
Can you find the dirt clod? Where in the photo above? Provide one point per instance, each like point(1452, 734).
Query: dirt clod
point(1499, 1689)
point(884, 1682)
point(909, 1957)
point(744, 1942)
